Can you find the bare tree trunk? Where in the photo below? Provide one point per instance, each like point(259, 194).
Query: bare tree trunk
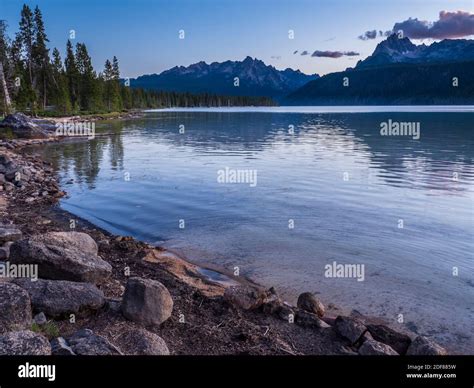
point(3, 82)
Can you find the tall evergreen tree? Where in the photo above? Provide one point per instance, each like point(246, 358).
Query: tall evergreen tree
point(41, 57)
point(26, 40)
point(5, 68)
point(60, 95)
point(72, 75)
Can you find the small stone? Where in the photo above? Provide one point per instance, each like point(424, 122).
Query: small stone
point(349, 328)
point(60, 347)
point(40, 319)
point(9, 234)
point(245, 297)
point(371, 347)
point(146, 301)
point(307, 319)
point(308, 302)
point(142, 342)
point(85, 343)
point(423, 346)
point(398, 341)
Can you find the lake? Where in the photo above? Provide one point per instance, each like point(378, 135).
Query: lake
point(281, 193)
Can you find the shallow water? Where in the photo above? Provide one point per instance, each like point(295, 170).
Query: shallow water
point(345, 187)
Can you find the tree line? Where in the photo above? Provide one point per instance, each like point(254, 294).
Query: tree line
point(36, 80)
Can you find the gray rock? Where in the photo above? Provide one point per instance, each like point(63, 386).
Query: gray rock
point(385, 334)
point(245, 297)
point(60, 347)
point(15, 308)
point(142, 342)
point(350, 328)
point(85, 343)
point(57, 298)
point(307, 319)
point(286, 312)
point(40, 319)
point(5, 250)
point(63, 256)
point(308, 302)
point(9, 234)
point(25, 127)
point(422, 346)
point(146, 301)
point(371, 347)
point(24, 343)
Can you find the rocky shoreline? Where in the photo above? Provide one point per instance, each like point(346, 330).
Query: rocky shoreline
point(70, 288)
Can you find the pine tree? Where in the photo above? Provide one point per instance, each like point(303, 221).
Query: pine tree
point(60, 95)
point(72, 76)
point(40, 57)
point(4, 68)
point(26, 40)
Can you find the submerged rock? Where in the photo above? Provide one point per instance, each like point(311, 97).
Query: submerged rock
point(15, 308)
point(423, 346)
point(85, 343)
point(57, 298)
point(62, 256)
point(308, 302)
point(24, 343)
point(146, 301)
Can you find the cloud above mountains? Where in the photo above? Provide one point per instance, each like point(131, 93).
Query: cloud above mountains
point(450, 25)
point(334, 54)
point(329, 54)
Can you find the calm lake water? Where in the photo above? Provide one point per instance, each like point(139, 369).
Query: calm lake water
point(346, 188)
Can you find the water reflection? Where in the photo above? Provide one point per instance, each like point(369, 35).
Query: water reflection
point(441, 160)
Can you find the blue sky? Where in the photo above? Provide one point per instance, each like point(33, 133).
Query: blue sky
point(143, 34)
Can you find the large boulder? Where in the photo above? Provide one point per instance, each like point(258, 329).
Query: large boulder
point(371, 347)
point(423, 346)
point(308, 302)
point(62, 256)
point(27, 127)
point(385, 334)
point(350, 328)
point(24, 343)
point(56, 298)
point(146, 301)
point(85, 342)
point(15, 308)
point(141, 342)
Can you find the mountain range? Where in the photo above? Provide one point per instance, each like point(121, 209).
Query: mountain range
point(255, 78)
point(397, 72)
